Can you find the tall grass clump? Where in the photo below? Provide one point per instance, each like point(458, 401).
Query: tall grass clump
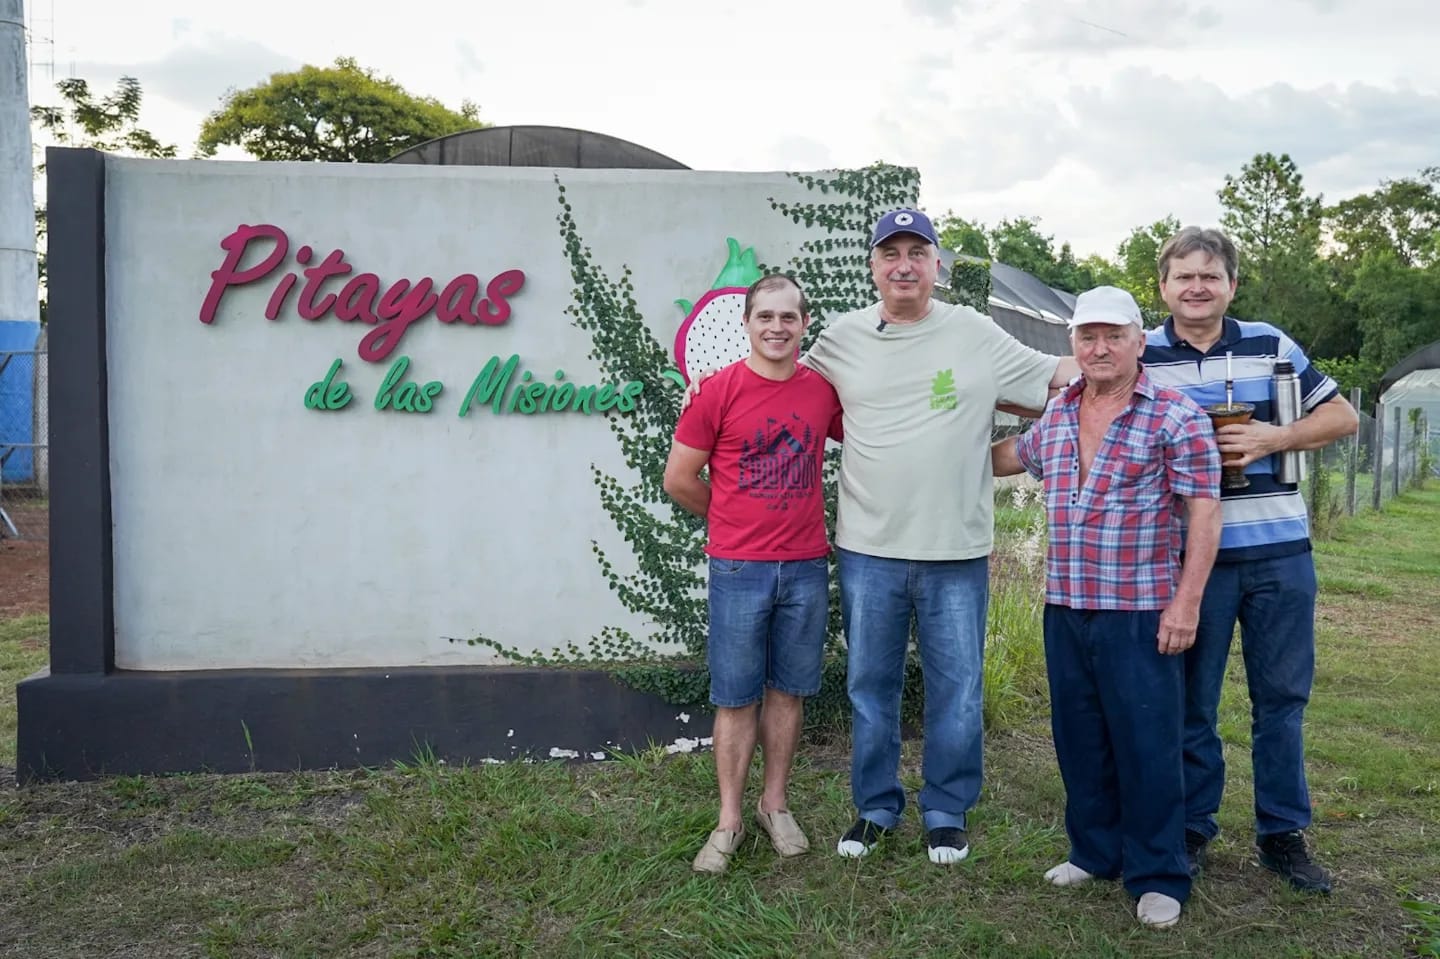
point(1014, 643)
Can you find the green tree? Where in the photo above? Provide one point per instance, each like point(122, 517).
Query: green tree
point(1351, 372)
point(1401, 218)
point(1402, 215)
point(1019, 243)
point(961, 236)
point(110, 123)
point(1276, 225)
point(343, 113)
point(1077, 276)
point(1139, 257)
point(1398, 306)
point(1100, 271)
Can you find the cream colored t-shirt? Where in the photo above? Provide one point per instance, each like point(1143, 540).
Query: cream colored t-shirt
point(919, 400)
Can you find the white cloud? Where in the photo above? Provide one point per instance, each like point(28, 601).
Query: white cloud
point(1093, 115)
point(1142, 145)
point(801, 153)
point(1056, 26)
point(944, 12)
point(468, 62)
point(199, 71)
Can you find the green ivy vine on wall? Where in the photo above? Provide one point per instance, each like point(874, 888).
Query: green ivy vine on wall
point(667, 586)
point(970, 283)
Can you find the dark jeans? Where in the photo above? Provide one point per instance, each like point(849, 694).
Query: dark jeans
point(1117, 712)
point(948, 599)
point(1274, 602)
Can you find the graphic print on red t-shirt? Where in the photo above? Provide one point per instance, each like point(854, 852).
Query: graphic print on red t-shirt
point(766, 440)
point(778, 463)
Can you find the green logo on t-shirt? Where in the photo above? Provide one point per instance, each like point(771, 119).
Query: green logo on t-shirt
point(943, 391)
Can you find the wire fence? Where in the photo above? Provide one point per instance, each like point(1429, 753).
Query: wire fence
point(24, 450)
point(1393, 451)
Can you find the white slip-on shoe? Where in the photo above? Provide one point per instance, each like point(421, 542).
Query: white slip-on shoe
point(1157, 910)
point(1067, 874)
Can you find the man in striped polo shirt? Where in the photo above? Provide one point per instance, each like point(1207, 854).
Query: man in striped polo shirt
point(1264, 576)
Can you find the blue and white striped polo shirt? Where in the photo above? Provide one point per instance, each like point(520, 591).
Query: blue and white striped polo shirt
point(1268, 518)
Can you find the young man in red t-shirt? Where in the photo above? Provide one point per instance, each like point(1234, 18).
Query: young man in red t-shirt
point(760, 426)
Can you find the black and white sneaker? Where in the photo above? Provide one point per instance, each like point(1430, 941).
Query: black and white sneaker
point(948, 845)
point(860, 838)
point(1286, 854)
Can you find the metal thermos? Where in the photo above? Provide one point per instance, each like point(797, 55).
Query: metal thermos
point(1286, 385)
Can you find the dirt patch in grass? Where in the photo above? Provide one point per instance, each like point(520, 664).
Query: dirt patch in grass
point(24, 577)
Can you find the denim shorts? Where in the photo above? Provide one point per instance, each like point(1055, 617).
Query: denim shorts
point(767, 628)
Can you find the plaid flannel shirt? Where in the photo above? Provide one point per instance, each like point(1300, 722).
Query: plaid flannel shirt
point(1115, 541)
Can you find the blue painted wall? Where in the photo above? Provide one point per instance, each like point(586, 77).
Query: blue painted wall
point(17, 398)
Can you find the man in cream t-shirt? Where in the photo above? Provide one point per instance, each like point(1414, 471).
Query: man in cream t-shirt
point(919, 381)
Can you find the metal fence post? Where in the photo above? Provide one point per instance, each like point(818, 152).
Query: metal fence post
point(1425, 418)
point(1425, 444)
point(1352, 462)
point(1416, 444)
point(1399, 429)
point(1377, 456)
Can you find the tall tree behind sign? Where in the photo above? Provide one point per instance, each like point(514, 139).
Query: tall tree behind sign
point(341, 114)
point(86, 120)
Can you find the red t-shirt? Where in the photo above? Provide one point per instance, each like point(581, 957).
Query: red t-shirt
point(767, 444)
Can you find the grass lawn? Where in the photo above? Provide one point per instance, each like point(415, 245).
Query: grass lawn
point(593, 860)
point(24, 646)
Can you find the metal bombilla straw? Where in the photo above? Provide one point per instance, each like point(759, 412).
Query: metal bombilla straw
point(1232, 474)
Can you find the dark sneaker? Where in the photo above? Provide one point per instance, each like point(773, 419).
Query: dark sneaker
point(860, 838)
point(1195, 844)
point(1286, 854)
point(948, 844)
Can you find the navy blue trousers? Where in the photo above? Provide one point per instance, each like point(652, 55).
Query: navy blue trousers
point(1274, 599)
point(1117, 709)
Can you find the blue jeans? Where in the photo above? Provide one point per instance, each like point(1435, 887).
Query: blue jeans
point(1274, 601)
point(1117, 710)
point(767, 628)
point(947, 599)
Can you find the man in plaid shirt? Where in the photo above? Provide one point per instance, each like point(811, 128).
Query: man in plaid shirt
point(1119, 456)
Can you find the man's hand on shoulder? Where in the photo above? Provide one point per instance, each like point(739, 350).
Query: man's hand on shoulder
point(693, 390)
point(1066, 369)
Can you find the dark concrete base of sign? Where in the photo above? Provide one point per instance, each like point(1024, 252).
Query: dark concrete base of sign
point(126, 723)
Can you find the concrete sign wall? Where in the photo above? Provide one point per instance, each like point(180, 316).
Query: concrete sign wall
point(252, 529)
point(310, 423)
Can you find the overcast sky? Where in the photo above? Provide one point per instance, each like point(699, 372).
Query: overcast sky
point(1092, 115)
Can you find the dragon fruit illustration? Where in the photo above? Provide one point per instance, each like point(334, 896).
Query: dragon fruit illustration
point(713, 334)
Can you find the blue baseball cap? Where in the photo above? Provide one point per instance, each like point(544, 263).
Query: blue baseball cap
point(903, 221)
